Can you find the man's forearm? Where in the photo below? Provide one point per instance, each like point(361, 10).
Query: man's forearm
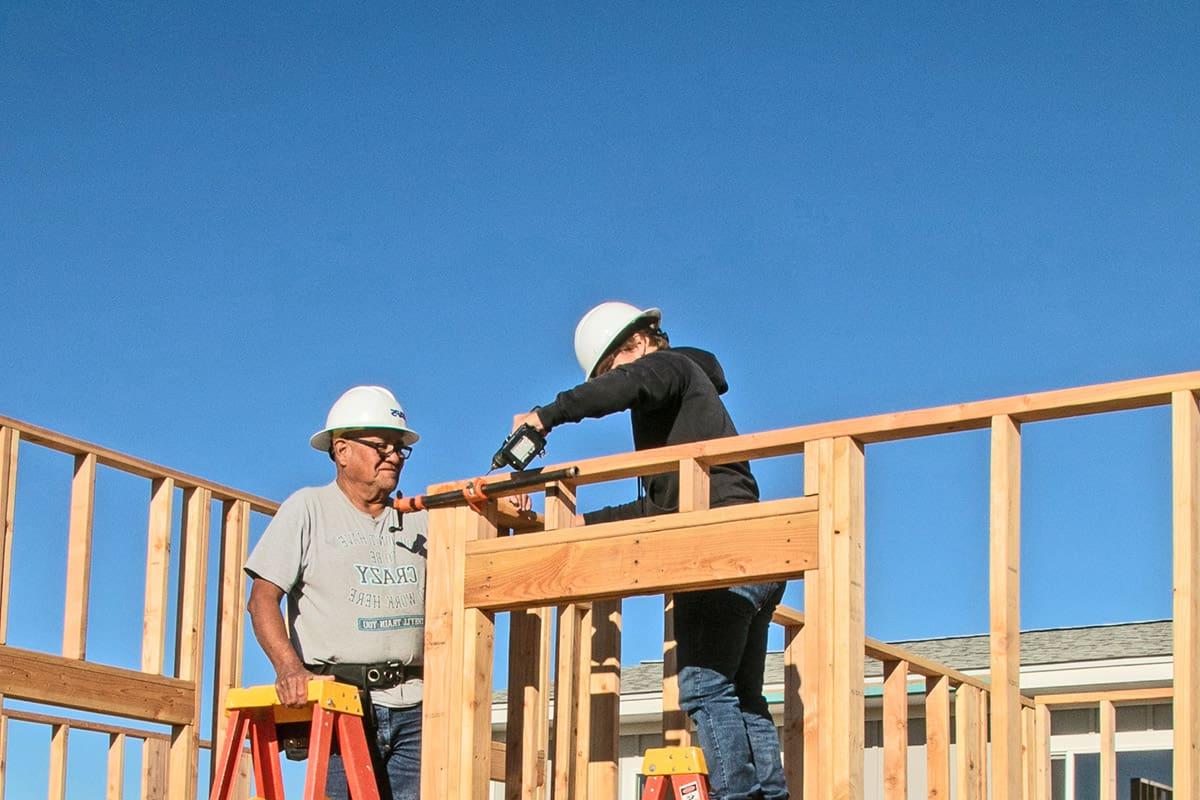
point(272, 636)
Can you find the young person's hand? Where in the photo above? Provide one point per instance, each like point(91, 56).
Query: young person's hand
point(532, 420)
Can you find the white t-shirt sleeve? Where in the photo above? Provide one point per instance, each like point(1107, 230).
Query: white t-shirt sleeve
point(281, 553)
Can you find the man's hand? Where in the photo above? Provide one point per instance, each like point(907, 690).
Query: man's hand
point(292, 686)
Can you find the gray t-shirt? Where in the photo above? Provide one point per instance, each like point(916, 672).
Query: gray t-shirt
point(355, 584)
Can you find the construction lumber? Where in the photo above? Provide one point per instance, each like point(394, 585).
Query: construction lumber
point(155, 756)
point(158, 566)
point(442, 588)
point(528, 703)
point(59, 735)
point(231, 604)
point(1041, 753)
point(937, 738)
point(1036, 407)
point(114, 777)
point(133, 466)
point(818, 600)
point(967, 753)
point(895, 730)
point(793, 707)
point(1108, 750)
point(1185, 471)
point(79, 555)
point(45, 678)
point(1005, 615)
point(1117, 696)
point(10, 439)
point(645, 556)
point(694, 495)
point(605, 699)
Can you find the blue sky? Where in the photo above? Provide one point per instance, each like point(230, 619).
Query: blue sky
point(213, 221)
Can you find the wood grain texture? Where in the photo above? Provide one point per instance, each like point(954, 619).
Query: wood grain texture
point(937, 738)
point(605, 700)
point(79, 556)
point(9, 448)
point(613, 562)
point(1005, 615)
point(967, 754)
point(158, 566)
point(792, 733)
point(1185, 471)
point(45, 678)
point(895, 730)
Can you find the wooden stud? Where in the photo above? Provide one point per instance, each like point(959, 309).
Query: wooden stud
point(158, 566)
point(189, 635)
point(605, 700)
point(895, 730)
point(3, 748)
point(528, 702)
point(1108, 750)
point(231, 602)
point(1041, 753)
point(845, 616)
point(155, 756)
point(1028, 752)
point(114, 785)
point(58, 761)
point(793, 707)
point(9, 445)
point(79, 556)
point(445, 548)
point(981, 737)
point(966, 720)
point(1005, 580)
point(476, 676)
point(937, 737)
point(1185, 471)
point(818, 600)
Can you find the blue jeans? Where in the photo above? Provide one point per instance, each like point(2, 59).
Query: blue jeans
point(721, 637)
point(396, 756)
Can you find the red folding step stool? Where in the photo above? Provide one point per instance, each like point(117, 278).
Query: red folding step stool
point(254, 712)
point(680, 770)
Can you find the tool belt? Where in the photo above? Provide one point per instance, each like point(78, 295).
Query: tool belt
point(369, 677)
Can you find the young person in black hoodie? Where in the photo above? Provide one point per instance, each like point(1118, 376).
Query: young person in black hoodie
point(721, 634)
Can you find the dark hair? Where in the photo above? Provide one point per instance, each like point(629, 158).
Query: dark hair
point(655, 336)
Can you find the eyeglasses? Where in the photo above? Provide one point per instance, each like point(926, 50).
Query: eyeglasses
point(385, 449)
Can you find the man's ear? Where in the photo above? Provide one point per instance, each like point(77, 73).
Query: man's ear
point(337, 452)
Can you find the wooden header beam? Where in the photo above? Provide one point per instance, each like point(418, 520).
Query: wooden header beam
point(700, 549)
point(1057, 404)
point(67, 682)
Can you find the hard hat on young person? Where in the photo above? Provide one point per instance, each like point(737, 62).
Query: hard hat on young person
point(364, 407)
point(605, 327)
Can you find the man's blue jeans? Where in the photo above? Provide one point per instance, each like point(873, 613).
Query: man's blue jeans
point(397, 754)
point(721, 636)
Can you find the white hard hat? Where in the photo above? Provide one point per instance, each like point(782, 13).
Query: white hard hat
point(605, 327)
point(364, 407)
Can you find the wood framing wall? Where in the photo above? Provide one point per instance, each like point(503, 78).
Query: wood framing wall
point(562, 586)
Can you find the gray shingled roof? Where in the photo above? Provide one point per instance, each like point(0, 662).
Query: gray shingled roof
point(1057, 645)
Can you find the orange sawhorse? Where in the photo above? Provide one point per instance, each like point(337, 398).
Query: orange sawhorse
point(675, 773)
point(334, 709)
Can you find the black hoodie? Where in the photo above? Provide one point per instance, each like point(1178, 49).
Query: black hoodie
point(674, 398)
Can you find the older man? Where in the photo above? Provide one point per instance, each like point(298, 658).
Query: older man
point(353, 572)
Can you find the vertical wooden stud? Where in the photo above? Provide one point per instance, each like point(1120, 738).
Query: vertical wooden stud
point(155, 755)
point(1041, 754)
point(9, 444)
point(981, 734)
point(189, 636)
point(937, 737)
point(446, 547)
point(694, 495)
point(1108, 750)
point(231, 600)
point(1028, 750)
point(3, 748)
point(79, 555)
point(1005, 602)
point(475, 721)
point(1185, 471)
point(114, 785)
point(966, 721)
point(158, 566)
point(845, 617)
point(895, 730)
point(58, 761)
point(793, 708)
point(818, 641)
point(528, 702)
point(605, 700)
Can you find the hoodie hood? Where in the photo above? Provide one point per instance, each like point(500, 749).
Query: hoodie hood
point(707, 362)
